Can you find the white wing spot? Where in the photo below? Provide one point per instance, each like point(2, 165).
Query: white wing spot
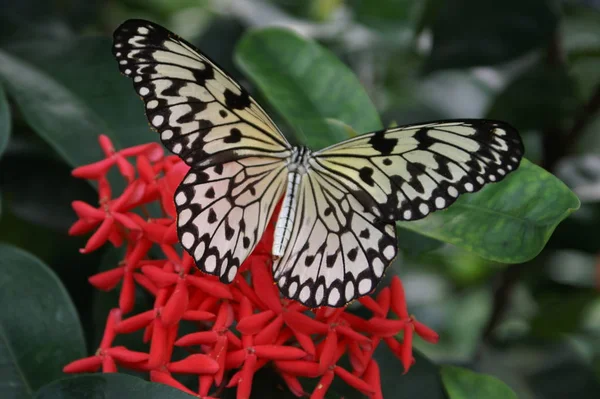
point(349, 291)
point(378, 267)
point(118, 45)
point(152, 104)
point(293, 288)
point(191, 178)
point(334, 296)
point(232, 272)
point(143, 31)
point(210, 264)
point(514, 159)
point(180, 198)
point(492, 178)
point(319, 294)
point(364, 286)
point(452, 191)
point(184, 216)
point(137, 79)
point(509, 167)
point(158, 120)
point(305, 294)
point(177, 148)
point(187, 239)
point(407, 215)
point(128, 71)
point(469, 186)
point(424, 209)
point(480, 180)
point(167, 134)
point(440, 202)
point(118, 54)
point(389, 251)
point(281, 281)
point(123, 62)
point(501, 171)
point(144, 91)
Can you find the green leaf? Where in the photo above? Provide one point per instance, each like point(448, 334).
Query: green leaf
point(508, 222)
point(469, 33)
point(5, 121)
point(306, 84)
point(39, 329)
point(461, 383)
point(108, 386)
point(69, 92)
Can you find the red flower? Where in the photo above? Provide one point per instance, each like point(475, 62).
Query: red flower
point(239, 328)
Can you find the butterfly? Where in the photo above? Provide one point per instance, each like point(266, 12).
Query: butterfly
point(335, 234)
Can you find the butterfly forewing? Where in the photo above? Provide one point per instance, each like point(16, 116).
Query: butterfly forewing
point(408, 172)
point(202, 114)
point(224, 209)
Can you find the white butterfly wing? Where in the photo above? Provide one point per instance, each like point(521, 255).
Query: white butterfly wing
point(338, 250)
point(201, 113)
point(408, 172)
point(224, 209)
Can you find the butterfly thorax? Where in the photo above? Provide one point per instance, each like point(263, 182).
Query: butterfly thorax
point(297, 166)
point(298, 162)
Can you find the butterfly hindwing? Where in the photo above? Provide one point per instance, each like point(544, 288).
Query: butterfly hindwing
point(408, 172)
point(224, 209)
point(338, 250)
point(201, 113)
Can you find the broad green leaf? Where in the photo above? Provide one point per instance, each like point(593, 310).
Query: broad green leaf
point(5, 120)
point(469, 33)
point(108, 386)
point(70, 92)
point(508, 222)
point(39, 327)
point(306, 84)
point(461, 383)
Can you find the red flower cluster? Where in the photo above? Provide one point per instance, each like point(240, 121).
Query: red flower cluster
point(243, 326)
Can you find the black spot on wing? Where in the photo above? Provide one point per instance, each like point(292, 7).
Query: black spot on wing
point(382, 144)
point(235, 136)
point(366, 175)
point(236, 101)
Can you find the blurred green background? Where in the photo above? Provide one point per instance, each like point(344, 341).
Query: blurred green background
point(532, 63)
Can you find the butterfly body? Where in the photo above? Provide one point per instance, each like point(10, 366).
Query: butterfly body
point(335, 233)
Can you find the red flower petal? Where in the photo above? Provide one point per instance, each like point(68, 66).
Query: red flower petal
point(406, 356)
point(301, 368)
point(425, 332)
point(353, 381)
point(278, 352)
point(305, 342)
point(107, 280)
point(211, 287)
point(126, 221)
point(219, 353)
point(94, 170)
point(235, 359)
point(86, 211)
point(373, 378)
point(398, 298)
point(123, 354)
point(304, 324)
point(85, 365)
point(328, 351)
point(199, 338)
point(158, 344)
point(268, 335)
point(145, 282)
point(198, 315)
point(386, 327)
point(176, 305)
point(350, 333)
point(106, 145)
point(160, 277)
point(99, 237)
point(384, 299)
point(108, 365)
point(224, 317)
point(373, 306)
point(136, 322)
point(125, 168)
point(253, 324)
point(127, 296)
point(83, 226)
point(323, 385)
point(262, 282)
point(194, 364)
point(114, 317)
point(245, 382)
